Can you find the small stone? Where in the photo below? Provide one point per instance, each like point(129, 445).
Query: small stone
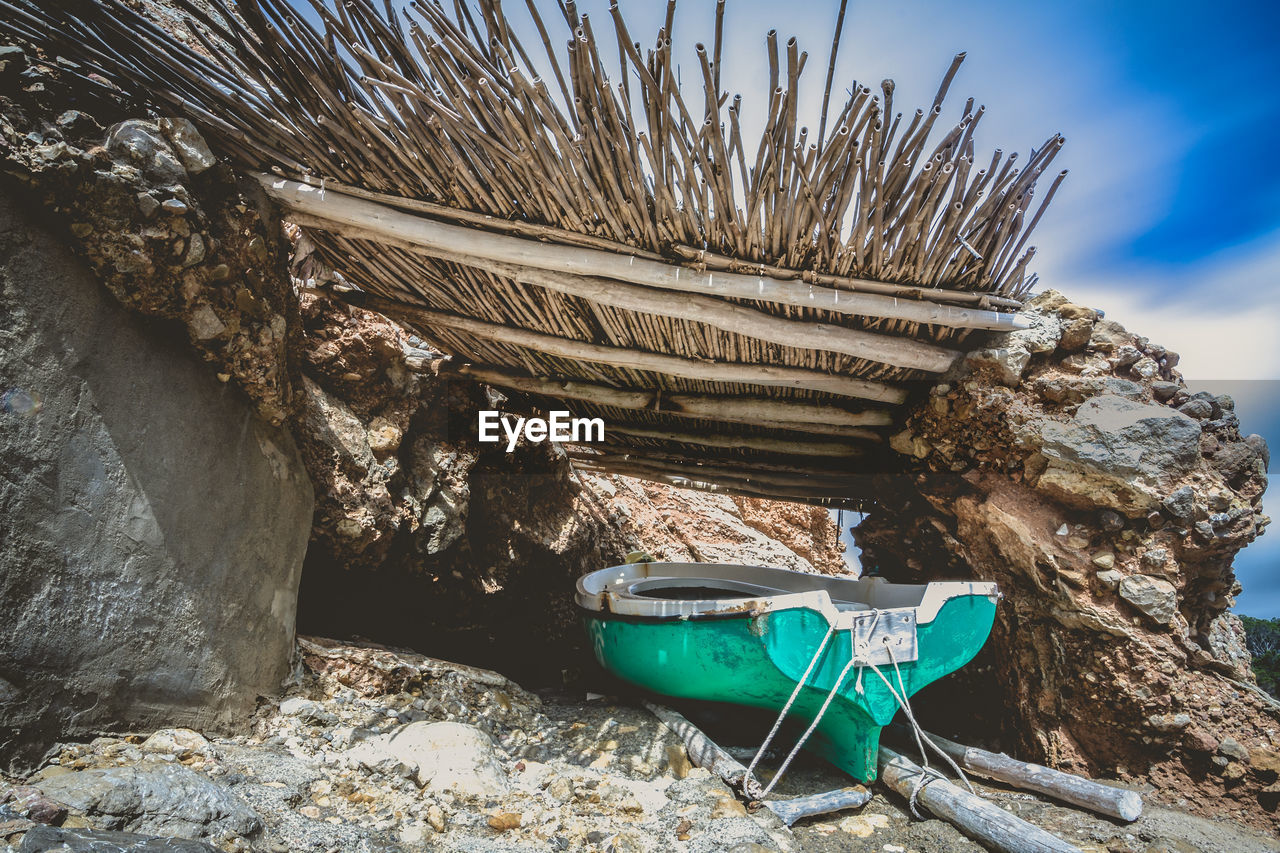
point(1071, 311)
point(35, 806)
point(1075, 336)
point(195, 251)
point(1169, 722)
point(188, 144)
point(307, 710)
point(174, 206)
point(1163, 391)
point(1235, 770)
point(1127, 356)
point(384, 437)
point(726, 807)
point(1198, 409)
point(182, 743)
point(1110, 579)
point(678, 761)
point(864, 825)
point(560, 788)
point(1146, 368)
point(1108, 336)
point(1264, 760)
point(505, 821)
point(435, 817)
point(81, 229)
point(1110, 520)
point(1198, 740)
point(312, 812)
point(1181, 503)
point(1104, 559)
point(1155, 558)
point(412, 834)
point(1155, 597)
point(147, 205)
point(1005, 364)
point(1231, 748)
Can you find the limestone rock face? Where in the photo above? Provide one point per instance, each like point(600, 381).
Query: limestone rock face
point(1119, 453)
point(1109, 516)
point(152, 525)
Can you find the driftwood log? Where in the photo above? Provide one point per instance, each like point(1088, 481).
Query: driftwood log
point(985, 823)
point(1067, 787)
point(705, 753)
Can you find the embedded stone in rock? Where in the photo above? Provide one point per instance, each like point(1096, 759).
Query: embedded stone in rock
point(1108, 335)
point(50, 838)
point(1005, 363)
point(1155, 597)
point(1181, 502)
point(159, 799)
point(443, 756)
point(142, 143)
point(188, 144)
point(1118, 453)
point(179, 742)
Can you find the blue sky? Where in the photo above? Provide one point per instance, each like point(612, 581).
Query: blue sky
point(1170, 218)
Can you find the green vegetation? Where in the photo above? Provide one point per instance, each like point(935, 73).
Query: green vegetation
point(1262, 636)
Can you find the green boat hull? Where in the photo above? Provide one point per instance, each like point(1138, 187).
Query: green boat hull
point(758, 660)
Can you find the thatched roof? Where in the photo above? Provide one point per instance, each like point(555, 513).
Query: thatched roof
point(594, 236)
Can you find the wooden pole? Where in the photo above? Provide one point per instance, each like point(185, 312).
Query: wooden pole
point(767, 444)
point(750, 374)
point(714, 311)
point(1086, 793)
point(704, 752)
point(985, 823)
point(736, 409)
point(432, 235)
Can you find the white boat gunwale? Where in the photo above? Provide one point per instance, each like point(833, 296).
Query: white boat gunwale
point(615, 591)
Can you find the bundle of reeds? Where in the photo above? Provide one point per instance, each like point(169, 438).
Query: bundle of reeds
point(600, 229)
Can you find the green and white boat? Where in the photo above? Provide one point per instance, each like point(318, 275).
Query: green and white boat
point(750, 634)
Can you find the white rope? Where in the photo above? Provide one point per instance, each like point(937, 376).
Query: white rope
point(928, 774)
point(804, 737)
point(858, 650)
point(813, 661)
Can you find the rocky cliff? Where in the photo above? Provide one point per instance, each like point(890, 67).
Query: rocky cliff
point(1069, 463)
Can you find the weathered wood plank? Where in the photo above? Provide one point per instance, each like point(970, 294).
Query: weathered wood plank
point(985, 823)
point(1086, 793)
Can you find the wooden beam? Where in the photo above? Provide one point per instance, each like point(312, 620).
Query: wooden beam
point(766, 444)
point(751, 374)
point(819, 472)
point(1086, 793)
point(706, 753)
point(734, 409)
point(985, 823)
point(711, 310)
point(430, 234)
point(713, 486)
point(535, 231)
point(748, 476)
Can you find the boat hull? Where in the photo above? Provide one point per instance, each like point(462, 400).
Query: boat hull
point(757, 659)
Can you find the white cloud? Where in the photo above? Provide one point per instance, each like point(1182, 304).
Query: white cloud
point(1221, 314)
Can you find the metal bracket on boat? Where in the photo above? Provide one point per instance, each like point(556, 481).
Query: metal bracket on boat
point(875, 633)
